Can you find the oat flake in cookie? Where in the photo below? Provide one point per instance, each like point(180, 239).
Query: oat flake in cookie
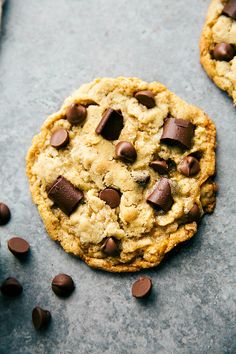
point(122, 207)
point(218, 45)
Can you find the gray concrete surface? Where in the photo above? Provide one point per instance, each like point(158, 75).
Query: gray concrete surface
point(49, 48)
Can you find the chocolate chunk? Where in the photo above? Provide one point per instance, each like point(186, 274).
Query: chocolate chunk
point(40, 317)
point(5, 214)
point(111, 124)
point(224, 52)
point(62, 285)
point(159, 166)
point(177, 131)
point(111, 197)
point(60, 138)
point(65, 195)
point(194, 213)
point(189, 166)
point(11, 287)
point(161, 197)
point(146, 98)
point(126, 151)
point(230, 9)
point(110, 247)
point(18, 246)
point(142, 287)
point(76, 113)
point(141, 177)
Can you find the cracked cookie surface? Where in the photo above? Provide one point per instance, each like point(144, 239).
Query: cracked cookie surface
point(77, 210)
point(218, 45)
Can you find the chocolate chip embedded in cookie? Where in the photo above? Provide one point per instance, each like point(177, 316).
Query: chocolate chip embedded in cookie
point(76, 113)
point(60, 138)
point(230, 9)
point(224, 52)
point(112, 204)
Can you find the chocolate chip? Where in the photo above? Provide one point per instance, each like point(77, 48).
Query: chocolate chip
point(5, 214)
point(60, 138)
point(111, 197)
point(62, 285)
point(126, 151)
point(224, 52)
point(177, 131)
point(76, 113)
point(110, 125)
point(40, 317)
point(161, 197)
point(141, 177)
point(194, 213)
point(18, 246)
point(159, 166)
point(230, 9)
point(11, 287)
point(142, 287)
point(189, 166)
point(110, 247)
point(146, 98)
point(65, 195)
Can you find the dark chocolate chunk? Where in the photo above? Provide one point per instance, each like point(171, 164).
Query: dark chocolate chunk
point(161, 197)
point(62, 285)
point(40, 317)
point(141, 177)
point(65, 195)
point(230, 9)
point(59, 138)
point(111, 197)
point(194, 213)
point(146, 98)
point(177, 131)
point(76, 113)
point(5, 214)
point(159, 166)
point(189, 166)
point(126, 151)
point(224, 52)
point(110, 247)
point(11, 287)
point(142, 287)
point(18, 246)
point(111, 124)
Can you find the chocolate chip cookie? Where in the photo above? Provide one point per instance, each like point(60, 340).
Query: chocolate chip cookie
point(218, 45)
point(122, 173)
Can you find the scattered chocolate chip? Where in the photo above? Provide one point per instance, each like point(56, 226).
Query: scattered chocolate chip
point(40, 317)
point(126, 151)
point(76, 113)
point(11, 287)
point(18, 246)
point(60, 138)
point(111, 124)
point(159, 166)
point(141, 177)
point(194, 213)
point(177, 131)
point(230, 9)
point(189, 166)
point(224, 52)
point(62, 285)
point(111, 197)
point(142, 287)
point(110, 247)
point(146, 98)
point(65, 195)
point(161, 197)
point(5, 214)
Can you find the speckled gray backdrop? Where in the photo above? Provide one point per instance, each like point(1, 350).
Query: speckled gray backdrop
point(49, 48)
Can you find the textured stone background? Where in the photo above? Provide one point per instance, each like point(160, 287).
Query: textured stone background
point(49, 48)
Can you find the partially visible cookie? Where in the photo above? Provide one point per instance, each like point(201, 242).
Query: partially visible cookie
point(218, 45)
point(122, 173)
